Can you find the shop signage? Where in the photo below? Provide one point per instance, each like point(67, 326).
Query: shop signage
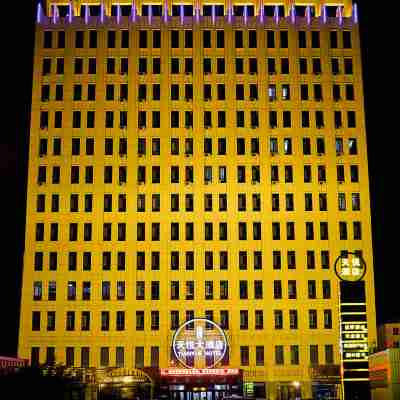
point(201, 341)
point(198, 371)
point(350, 267)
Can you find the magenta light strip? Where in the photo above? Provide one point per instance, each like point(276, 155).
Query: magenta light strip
point(276, 14)
point(39, 13)
point(213, 14)
point(245, 13)
point(308, 15)
point(355, 13)
point(197, 13)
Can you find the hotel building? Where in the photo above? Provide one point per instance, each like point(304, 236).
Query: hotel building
point(196, 159)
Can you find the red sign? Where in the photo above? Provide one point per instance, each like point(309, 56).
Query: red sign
point(198, 371)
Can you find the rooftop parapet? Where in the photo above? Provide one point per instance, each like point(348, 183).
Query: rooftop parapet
point(61, 11)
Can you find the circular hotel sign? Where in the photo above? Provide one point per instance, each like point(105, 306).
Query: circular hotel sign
point(350, 267)
point(199, 342)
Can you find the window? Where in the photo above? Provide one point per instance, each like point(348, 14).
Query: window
point(312, 319)
point(244, 355)
point(292, 291)
point(277, 289)
point(327, 319)
point(244, 320)
point(294, 355)
point(279, 359)
point(293, 319)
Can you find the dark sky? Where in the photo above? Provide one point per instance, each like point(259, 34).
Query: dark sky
point(379, 29)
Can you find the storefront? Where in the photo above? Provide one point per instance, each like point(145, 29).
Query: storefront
point(200, 384)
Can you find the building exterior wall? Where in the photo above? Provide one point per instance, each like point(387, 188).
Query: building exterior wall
point(60, 339)
point(389, 335)
point(385, 374)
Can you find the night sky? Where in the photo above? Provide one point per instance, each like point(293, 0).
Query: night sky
point(379, 31)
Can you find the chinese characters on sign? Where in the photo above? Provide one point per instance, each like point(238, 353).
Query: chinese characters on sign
point(350, 267)
point(199, 342)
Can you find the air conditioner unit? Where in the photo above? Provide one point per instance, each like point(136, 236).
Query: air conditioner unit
point(207, 127)
point(187, 154)
point(206, 154)
point(142, 126)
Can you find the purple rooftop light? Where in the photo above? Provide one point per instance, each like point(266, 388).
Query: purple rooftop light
point(166, 11)
point(39, 13)
point(70, 12)
point(261, 13)
point(118, 13)
point(308, 15)
point(355, 13)
point(102, 12)
point(86, 14)
point(293, 14)
point(276, 14)
point(324, 14)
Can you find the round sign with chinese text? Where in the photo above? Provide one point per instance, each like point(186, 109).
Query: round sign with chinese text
point(350, 267)
point(199, 343)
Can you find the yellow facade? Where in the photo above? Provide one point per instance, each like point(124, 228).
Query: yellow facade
point(330, 158)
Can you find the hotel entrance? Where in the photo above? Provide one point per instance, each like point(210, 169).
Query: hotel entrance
point(186, 392)
point(200, 384)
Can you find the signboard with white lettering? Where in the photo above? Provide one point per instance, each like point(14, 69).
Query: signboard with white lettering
point(199, 343)
point(350, 267)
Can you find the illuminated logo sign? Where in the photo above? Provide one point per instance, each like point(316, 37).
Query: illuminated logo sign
point(199, 343)
point(350, 267)
point(198, 371)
